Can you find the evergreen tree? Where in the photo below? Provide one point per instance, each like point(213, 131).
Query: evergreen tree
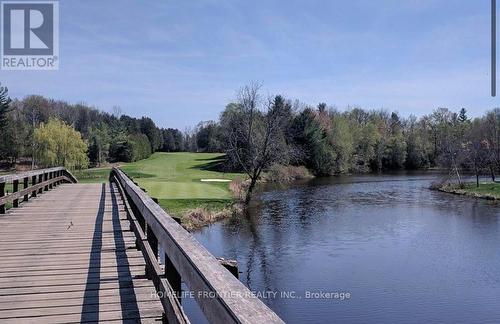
point(462, 116)
point(6, 142)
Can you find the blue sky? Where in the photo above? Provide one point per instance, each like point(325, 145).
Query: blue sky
point(181, 62)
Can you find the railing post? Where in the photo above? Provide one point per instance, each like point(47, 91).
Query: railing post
point(138, 217)
point(173, 277)
point(45, 178)
point(33, 182)
point(25, 186)
point(15, 188)
point(40, 179)
point(2, 193)
point(51, 176)
point(231, 266)
point(153, 243)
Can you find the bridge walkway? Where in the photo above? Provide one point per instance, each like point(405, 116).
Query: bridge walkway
point(69, 256)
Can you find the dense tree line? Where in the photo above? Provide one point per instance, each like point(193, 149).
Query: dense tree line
point(256, 132)
point(110, 137)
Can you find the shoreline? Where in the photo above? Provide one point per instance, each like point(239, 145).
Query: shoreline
point(197, 218)
point(465, 192)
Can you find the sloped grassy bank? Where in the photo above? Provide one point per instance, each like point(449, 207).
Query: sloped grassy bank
point(490, 191)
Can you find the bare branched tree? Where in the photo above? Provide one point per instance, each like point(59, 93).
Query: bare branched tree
point(255, 138)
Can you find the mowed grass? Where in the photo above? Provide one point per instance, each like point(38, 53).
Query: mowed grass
point(178, 176)
point(97, 175)
point(175, 179)
point(491, 188)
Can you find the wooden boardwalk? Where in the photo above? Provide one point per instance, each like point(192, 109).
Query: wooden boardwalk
point(89, 253)
point(69, 256)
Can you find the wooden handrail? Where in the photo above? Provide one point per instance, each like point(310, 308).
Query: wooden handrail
point(34, 182)
point(14, 176)
point(221, 297)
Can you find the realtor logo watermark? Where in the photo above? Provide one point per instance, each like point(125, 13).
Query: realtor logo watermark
point(30, 35)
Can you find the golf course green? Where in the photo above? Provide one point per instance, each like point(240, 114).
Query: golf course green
point(180, 181)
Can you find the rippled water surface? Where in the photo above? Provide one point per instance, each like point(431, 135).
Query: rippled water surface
point(405, 254)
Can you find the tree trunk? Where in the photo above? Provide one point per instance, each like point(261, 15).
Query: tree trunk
point(248, 196)
point(477, 179)
point(458, 177)
point(492, 170)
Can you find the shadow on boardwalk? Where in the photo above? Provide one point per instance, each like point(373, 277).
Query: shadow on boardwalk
point(91, 303)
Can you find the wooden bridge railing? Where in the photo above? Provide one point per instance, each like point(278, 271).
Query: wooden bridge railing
point(33, 182)
point(221, 297)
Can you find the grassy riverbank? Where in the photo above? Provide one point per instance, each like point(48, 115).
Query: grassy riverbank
point(176, 180)
point(485, 190)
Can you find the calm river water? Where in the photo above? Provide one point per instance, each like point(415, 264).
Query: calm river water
point(405, 254)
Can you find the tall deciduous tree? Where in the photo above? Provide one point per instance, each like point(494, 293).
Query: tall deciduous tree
point(476, 149)
point(492, 135)
point(342, 144)
point(60, 145)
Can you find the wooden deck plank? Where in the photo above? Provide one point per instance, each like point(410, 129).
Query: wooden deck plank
point(63, 258)
point(68, 256)
point(92, 307)
point(74, 287)
point(20, 301)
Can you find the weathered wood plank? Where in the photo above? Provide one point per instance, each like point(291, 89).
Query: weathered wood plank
point(20, 301)
point(144, 316)
point(66, 258)
point(94, 306)
point(34, 269)
point(24, 306)
point(75, 287)
point(62, 273)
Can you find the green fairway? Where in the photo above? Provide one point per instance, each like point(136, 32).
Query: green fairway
point(175, 179)
point(178, 176)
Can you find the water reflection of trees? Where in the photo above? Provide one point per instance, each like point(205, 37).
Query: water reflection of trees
point(281, 221)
